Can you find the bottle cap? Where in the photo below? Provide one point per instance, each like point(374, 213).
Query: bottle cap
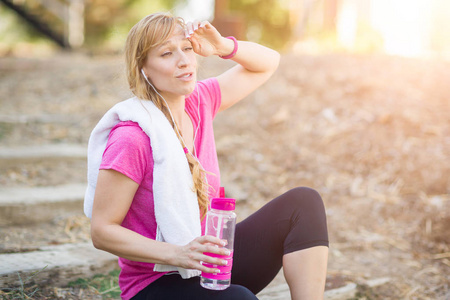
point(223, 203)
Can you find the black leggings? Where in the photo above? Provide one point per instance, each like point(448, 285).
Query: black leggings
point(293, 221)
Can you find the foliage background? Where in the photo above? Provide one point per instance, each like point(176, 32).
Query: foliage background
point(108, 21)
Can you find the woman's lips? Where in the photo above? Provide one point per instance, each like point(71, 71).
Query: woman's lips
point(186, 76)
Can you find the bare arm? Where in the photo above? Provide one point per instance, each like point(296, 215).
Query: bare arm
point(113, 197)
point(256, 63)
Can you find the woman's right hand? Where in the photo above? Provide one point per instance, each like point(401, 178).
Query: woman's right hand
point(206, 40)
point(191, 255)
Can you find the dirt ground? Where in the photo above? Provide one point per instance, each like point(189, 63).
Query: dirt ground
point(370, 133)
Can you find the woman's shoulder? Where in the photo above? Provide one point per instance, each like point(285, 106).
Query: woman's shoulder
point(207, 91)
point(128, 151)
point(130, 126)
point(129, 131)
point(210, 85)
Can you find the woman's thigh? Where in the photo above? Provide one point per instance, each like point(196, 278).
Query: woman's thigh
point(173, 287)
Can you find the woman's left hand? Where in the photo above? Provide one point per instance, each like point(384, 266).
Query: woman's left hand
point(206, 40)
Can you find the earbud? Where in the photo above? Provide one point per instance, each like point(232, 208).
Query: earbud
point(148, 81)
point(143, 73)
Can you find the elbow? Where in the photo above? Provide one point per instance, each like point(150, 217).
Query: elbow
point(96, 242)
point(97, 237)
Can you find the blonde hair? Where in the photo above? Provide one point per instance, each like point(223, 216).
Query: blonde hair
point(152, 31)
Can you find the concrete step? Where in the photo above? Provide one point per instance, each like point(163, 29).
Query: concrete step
point(15, 154)
point(41, 118)
point(348, 291)
point(21, 205)
point(46, 128)
point(55, 265)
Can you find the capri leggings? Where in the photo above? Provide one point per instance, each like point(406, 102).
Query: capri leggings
point(291, 222)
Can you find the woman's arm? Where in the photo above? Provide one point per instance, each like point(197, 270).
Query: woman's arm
point(113, 196)
point(256, 63)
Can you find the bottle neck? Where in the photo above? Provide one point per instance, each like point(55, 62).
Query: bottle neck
point(221, 211)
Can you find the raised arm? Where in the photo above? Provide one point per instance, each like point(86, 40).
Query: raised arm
point(256, 63)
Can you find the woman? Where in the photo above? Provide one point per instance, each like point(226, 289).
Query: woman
point(147, 195)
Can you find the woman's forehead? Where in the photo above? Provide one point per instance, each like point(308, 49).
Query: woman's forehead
point(178, 30)
point(176, 36)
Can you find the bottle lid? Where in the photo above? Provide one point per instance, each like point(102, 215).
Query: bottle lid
point(223, 203)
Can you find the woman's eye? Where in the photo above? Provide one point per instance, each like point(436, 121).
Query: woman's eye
point(166, 53)
point(188, 48)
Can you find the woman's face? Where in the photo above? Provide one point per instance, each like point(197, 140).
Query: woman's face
point(171, 67)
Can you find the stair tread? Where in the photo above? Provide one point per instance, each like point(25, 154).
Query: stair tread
point(53, 263)
point(20, 206)
point(43, 151)
point(40, 118)
point(45, 194)
point(52, 256)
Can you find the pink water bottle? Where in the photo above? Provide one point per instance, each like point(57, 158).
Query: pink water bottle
point(221, 223)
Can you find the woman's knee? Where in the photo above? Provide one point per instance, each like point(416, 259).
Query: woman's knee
point(305, 198)
point(308, 220)
point(307, 208)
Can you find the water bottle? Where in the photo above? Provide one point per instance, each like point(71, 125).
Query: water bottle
point(221, 223)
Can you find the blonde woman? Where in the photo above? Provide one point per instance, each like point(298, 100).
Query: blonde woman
point(152, 168)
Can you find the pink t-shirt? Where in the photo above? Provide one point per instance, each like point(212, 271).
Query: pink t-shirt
point(129, 152)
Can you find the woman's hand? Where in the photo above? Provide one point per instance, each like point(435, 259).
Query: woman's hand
point(206, 40)
point(190, 255)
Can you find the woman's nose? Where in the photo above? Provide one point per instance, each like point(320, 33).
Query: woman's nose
point(183, 60)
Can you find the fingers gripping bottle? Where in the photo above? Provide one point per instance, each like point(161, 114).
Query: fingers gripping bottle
point(221, 223)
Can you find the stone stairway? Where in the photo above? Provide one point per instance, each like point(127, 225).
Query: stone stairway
point(47, 111)
point(26, 209)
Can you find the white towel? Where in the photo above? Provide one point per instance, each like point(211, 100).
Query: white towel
point(176, 207)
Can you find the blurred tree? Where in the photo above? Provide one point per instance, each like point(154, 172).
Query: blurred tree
point(330, 10)
point(12, 29)
point(267, 21)
point(106, 18)
point(300, 12)
point(227, 22)
point(106, 22)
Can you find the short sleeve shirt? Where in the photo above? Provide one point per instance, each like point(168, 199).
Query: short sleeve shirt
point(129, 152)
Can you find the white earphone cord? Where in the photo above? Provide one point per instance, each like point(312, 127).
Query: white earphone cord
point(175, 124)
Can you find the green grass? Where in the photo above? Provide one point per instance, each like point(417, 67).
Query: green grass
point(105, 285)
point(25, 290)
